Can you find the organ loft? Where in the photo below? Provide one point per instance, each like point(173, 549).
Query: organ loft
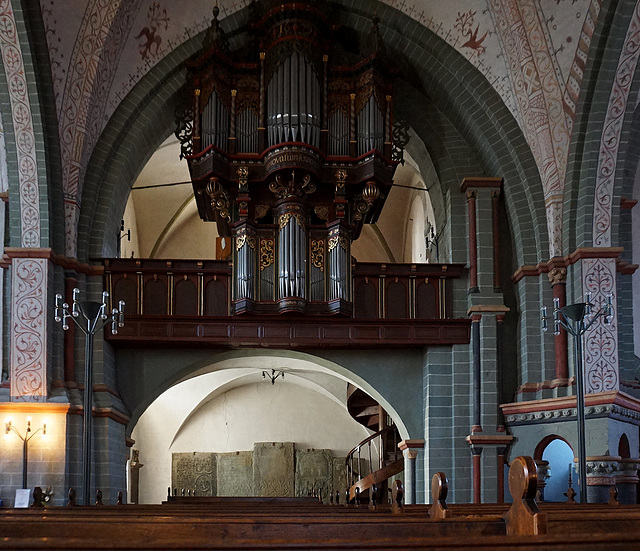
point(290, 150)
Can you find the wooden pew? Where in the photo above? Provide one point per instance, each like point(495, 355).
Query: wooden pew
point(245, 523)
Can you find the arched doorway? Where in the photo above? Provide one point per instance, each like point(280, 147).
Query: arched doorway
point(555, 459)
point(216, 419)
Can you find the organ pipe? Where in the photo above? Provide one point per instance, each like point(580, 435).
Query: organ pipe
point(294, 102)
point(272, 115)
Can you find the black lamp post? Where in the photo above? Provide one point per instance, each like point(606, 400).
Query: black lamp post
point(90, 317)
point(576, 319)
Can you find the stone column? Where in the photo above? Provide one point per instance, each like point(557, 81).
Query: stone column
point(601, 368)
point(410, 450)
point(627, 480)
point(476, 452)
point(134, 470)
point(558, 280)
point(502, 452)
point(601, 476)
point(543, 474)
point(473, 243)
point(492, 467)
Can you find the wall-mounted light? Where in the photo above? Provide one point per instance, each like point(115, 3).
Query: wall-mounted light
point(28, 435)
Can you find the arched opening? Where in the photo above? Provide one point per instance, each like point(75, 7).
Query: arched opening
point(554, 458)
point(624, 450)
point(207, 431)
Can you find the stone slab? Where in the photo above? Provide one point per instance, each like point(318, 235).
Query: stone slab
point(235, 474)
point(194, 471)
point(273, 469)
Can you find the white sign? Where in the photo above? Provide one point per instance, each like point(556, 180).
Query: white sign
point(22, 498)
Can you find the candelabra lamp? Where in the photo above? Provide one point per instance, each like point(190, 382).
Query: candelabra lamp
point(576, 319)
point(90, 317)
point(273, 375)
point(28, 435)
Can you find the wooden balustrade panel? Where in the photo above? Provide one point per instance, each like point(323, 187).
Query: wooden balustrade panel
point(125, 287)
point(187, 302)
point(185, 297)
point(366, 298)
point(216, 297)
point(427, 299)
point(397, 298)
point(154, 299)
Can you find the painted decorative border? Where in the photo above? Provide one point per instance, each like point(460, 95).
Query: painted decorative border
point(535, 82)
point(23, 127)
point(611, 133)
point(601, 341)
point(576, 73)
point(94, 61)
point(569, 414)
point(29, 329)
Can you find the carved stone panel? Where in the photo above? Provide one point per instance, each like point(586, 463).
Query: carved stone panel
point(314, 472)
point(339, 482)
point(194, 471)
point(235, 474)
point(273, 474)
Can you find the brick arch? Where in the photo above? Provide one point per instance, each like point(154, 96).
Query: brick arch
point(596, 167)
point(467, 103)
point(537, 453)
point(22, 126)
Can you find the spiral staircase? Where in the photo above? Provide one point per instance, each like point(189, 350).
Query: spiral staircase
point(377, 458)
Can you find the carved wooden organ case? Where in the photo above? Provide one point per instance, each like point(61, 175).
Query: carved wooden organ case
point(290, 154)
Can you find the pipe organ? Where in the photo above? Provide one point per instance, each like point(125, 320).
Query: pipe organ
point(290, 153)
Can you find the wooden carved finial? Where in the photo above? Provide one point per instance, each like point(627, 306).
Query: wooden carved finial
point(613, 496)
point(397, 495)
point(38, 496)
point(98, 497)
point(373, 500)
point(439, 491)
point(524, 518)
point(72, 498)
point(571, 495)
point(119, 501)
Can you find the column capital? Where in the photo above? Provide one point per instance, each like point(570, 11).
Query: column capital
point(557, 276)
point(476, 183)
point(480, 309)
point(415, 444)
point(481, 440)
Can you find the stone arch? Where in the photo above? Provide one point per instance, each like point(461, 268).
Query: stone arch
point(593, 165)
point(184, 365)
point(624, 449)
point(539, 449)
point(554, 458)
point(24, 130)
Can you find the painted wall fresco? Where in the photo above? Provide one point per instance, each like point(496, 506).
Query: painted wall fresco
point(529, 51)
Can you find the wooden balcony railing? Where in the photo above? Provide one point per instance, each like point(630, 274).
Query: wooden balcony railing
point(188, 302)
